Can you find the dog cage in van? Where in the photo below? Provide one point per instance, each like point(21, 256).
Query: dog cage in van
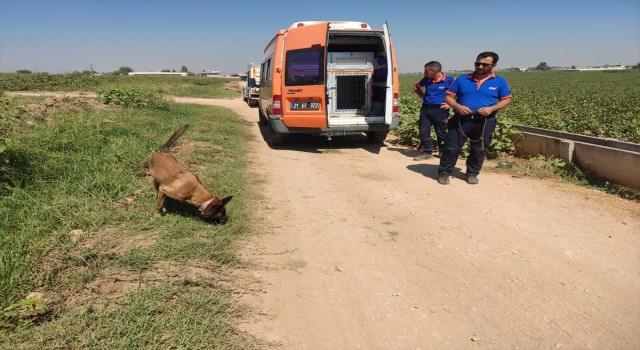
point(349, 78)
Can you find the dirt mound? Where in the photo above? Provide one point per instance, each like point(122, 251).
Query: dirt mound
point(233, 86)
point(51, 103)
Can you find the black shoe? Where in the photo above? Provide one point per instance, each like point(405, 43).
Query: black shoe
point(472, 179)
point(423, 156)
point(443, 179)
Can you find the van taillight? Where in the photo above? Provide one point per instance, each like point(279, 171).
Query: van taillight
point(277, 104)
point(396, 104)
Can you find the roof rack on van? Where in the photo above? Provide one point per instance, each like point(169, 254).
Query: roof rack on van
point(334, 24)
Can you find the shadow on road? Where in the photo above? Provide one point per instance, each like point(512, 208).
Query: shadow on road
point(321, 144)
point(431, 170)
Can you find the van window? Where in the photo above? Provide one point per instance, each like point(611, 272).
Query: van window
point(265, 73)
point(305, 67)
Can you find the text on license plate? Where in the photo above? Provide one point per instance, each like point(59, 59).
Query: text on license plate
point(305, 105)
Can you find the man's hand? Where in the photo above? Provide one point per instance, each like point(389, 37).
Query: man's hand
point(486, 111)
point(463, 110)
point(444, 106)
point(460, 109)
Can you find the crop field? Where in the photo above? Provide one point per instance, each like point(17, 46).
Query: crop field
point(170, 85)
point(601, 104)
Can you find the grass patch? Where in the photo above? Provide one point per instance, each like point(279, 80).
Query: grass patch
point(77, 225)
point(179, 317)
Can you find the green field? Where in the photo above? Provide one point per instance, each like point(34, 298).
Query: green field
point(192, 86)
point(601, 104)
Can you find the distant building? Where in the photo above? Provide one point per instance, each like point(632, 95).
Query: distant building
point(210, 73)
point(182, 74)
point(605, 67)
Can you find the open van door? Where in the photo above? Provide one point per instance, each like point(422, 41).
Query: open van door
point(304, 77)
point(391, 72)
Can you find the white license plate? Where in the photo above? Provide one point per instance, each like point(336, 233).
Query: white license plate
point(305, 105)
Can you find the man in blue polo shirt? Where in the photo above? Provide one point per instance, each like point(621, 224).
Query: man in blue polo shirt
point(434, 110)
point(476, 99)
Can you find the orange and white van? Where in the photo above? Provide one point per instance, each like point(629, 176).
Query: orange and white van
point(329, 78)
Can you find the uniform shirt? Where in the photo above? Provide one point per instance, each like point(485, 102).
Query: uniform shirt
point(477, 94)
point(435, 90)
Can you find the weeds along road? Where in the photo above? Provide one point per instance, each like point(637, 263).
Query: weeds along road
point(362, 249)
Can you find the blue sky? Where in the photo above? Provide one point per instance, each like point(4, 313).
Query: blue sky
point(59, 36)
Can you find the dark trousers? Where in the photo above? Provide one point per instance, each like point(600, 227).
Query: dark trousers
point(432, 115)
point(455, 139)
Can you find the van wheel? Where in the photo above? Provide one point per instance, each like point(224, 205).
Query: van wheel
point(274, 138)
point(262, 120)
point(377, 136)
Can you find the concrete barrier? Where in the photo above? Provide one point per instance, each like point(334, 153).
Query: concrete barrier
point(617, 161)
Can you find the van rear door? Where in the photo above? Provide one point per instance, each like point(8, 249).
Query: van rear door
point(304, 79)
point(391, 72)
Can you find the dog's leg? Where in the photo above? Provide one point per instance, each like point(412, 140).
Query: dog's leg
point(160, 206)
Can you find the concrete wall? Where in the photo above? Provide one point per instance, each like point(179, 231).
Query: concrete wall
point(614, 160)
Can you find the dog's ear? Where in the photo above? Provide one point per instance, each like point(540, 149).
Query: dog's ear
point(226, 200)
point(220, 206)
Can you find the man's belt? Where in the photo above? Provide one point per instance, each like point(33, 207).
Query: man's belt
point(476, 115)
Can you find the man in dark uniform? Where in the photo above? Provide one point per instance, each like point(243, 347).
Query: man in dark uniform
point(476, 99)
point(434, 110)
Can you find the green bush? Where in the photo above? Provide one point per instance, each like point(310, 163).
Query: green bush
point(10, 108)
point(132, 97)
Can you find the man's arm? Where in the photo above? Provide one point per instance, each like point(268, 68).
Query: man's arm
point(418, 90)
point(462, 110)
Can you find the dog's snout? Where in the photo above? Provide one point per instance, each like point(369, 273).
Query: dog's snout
point(216, 219)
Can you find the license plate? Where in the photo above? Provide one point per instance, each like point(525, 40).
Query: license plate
point(305, 105)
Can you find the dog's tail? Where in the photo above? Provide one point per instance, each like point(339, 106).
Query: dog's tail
point(176, 135)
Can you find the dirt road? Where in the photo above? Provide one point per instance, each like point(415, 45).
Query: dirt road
point(362, 249)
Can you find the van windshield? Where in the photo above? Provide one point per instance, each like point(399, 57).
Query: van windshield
point(251, 82)
point(305, 67)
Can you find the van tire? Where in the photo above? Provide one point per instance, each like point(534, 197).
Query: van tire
point(377, 136)
point(262, 120)
point(274, 138)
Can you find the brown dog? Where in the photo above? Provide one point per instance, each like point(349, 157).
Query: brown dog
point(172, 179)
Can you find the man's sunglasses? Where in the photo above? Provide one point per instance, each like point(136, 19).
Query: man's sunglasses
point(480, 64)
